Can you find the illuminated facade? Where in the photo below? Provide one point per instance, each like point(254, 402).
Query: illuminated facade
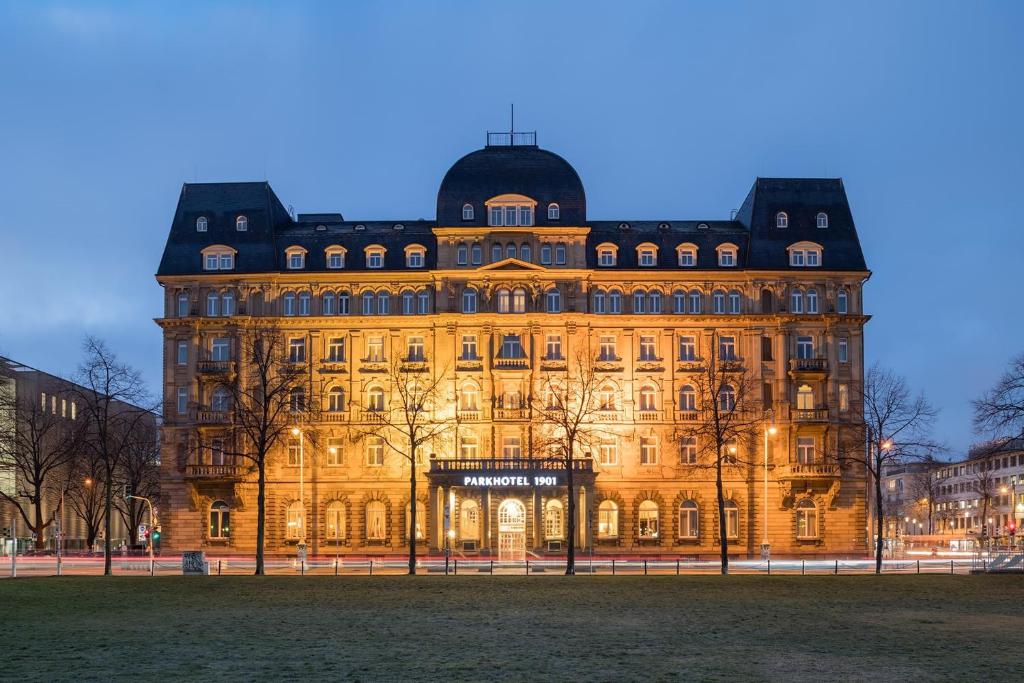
point(510, 281)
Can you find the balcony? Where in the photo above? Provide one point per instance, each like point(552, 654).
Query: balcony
point(509, 464)
point(648, 415)
point(511, 413)
point(511, 363)
point(807, 471)
point(805, 366)
point(469, 415)
point(731, 363)
point(373, 416)
point(506, 472)
point(332, 366)
point(611, 415)
point(214, 367)
point(213, 417)
point(469, 365)
point(686, 416)
point(334, 416)
point(811, 415)
point(215, 471)
point(553, 364)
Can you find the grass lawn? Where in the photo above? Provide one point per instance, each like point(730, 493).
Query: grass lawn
point(514, 628)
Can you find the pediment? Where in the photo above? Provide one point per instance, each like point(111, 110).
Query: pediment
point(512, 264)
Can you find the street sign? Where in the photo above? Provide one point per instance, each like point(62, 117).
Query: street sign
point(143, 532)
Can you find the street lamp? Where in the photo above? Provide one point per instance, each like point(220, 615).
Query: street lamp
point(302, 496)
point(765, 546)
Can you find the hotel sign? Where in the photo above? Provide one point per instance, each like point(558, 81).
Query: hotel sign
point(511, 481)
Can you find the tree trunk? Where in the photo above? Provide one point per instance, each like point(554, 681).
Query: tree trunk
point(40, 542)
point(108, 504)
point(412, 513)
point(261, 506)
point(722, 527)
point(879, 516)
point(570, 526)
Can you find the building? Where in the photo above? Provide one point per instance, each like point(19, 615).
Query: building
point(509, 280)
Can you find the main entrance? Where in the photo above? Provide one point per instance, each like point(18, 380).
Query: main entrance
point(511, 530)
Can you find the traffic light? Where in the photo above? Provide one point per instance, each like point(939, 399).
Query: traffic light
point(127, 491)
point(156, 535)
point(5, 531)
point(1012, 529)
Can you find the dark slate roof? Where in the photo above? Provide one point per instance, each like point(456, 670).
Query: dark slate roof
point(526, 170)
point(666, 235)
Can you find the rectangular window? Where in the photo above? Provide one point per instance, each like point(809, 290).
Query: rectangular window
point(375, 349)
point(727, 258)
point(415, 259)
point(688, 348)
point(220, 349)
point(812, 258)
point(217, 452)
point(648, 350)
point(646, 257)
point(727, 348)
point(297, 350)
point(687, 258)
point(648, 450)
point(843, 350)
point(183, 306)
point(212, 261)
point(607, 348)
point(844, 398)
point(510, 215)
point(511, 447)
point(63, 407)
point(559, 254)
point(227, 261)
point(553, 347)
point(375, 259)
point(511, 346)
point(477, 254)
point(496, 216)
point(375, 451)
point(295, 260)
point(767, 395)
point(336, 349)
point(469, 448)
point(415, 349)
point(608, 453)
point(525, 215)
point(469, 347)
point(182, 353)
point(335, 451)
point(336, 260)
point(545, 254)
point(688, 450)
point(805, 450)
point(182, 400)
point(804, 347)
point(766, 348)
point(606, 257)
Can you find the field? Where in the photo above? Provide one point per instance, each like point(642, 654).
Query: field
point(513, 628)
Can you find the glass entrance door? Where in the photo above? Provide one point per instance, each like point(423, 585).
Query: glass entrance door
point(511, 531)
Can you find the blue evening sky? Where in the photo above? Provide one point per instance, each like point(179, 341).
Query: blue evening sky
point(667, 110)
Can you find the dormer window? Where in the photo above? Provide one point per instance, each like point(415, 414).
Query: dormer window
point(607, 254)
point(687, 255)
point(415, 256)
point(781, 220)
point(727, 255)
point(241, 224)
point(375, 256)
point(805, 255)
point(553, 212)
point(335, 257)
point(295, 258)
point(467, 212)
point(647, 255)
point(202, 224)
point(510, 210)
point(218, 257)
point(822, 220)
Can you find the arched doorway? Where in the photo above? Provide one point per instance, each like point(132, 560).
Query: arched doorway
point(511, 530)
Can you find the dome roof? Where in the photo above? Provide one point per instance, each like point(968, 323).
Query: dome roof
point(506, 169)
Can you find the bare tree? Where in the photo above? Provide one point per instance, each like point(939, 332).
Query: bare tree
point(984, 484)
point(416, 417)
point(38, 449)
point(926, 487)
point(897, 427)
point(140, 471)
point(1000, 411)
point(566, 412)
point(729, 413)
point(85, 493)
point(270, 395)
point(113, 401)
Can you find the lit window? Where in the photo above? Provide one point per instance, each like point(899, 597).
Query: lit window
point(804, 397)
point(553, 212)
point(469, 397)
point(553, 520)
point(844, 398)
point(469, 520)
point(781, 220)
point(822, 220)
point(376, 522)
point(375, 400)
point(469, 447)
point(606, 396)
point(220, 520)
point(648, 399)
point(608, 519)
point(511, 447)
point(519, 300)
point(732, 520)
point(375, 451)
point(807, 516)
point(648, 450)
point(202, 224)
point(689, 523)
point(504, 301)
point(688, 450)
point(375, 351)
point(241, 224)
point(608, 452)
point(334, 519)
point(467, 212)
point(336, 400)
point(805, 450)
point(647, 523)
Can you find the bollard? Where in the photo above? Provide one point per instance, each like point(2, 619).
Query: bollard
point(919, 566)
point(219, 566)
point(613, 566)
point(677, 566)
point(803, 563)
point(302, 568)
point(527, 567)
point(492, 567)
point(837, 567)
point(951, 566)
point(371, 567)
point(456, 567)
point(335, 567)
point(769, 567)
point(645, 566)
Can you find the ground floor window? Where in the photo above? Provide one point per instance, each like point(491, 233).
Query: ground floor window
point(806, 519)
point(296, 521)
point(469, 524)
point(608, 519)
point(732, 520)
point(376, 526)
point(421, 518)
point(335, 520)
point(688, 519)
point(553, 520)
point(220, 520)
point(648, 519)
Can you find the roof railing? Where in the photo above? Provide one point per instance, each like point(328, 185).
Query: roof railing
point(512, 139)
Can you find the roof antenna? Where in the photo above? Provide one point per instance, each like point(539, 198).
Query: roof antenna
point(512, 108)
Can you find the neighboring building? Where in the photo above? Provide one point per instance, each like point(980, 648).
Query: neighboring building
point(510, 280)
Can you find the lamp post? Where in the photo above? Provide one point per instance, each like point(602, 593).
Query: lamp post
point(769, 429)
point(301, 548)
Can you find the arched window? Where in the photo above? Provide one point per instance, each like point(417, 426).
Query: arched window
point(687, 398)
point(647, 521)
point(327, 304)
point(495, 253)
point(732, 520)
point(469, 397)
point(525, 254)
point(423, 301)
point(212, 304)
point(767, 301)
point(560, 254)
point(467, 212)
point(796, 301)
point(304, 303)
point(822, 220)
point(421, 519)
point(220, 520)
point(368, 307)
point(806, 519)
point(288, 301)
point(336, 400)
point(510, 250)
point(553, 212)
point(734, 302)
point(615, 301)
point(608, 519)
point(469, 520)
point(679, 301)
point(462, 255)
point(694, 301)
point(477, 254)
point(469, 301)
point(408, 303)
point(842, 301)
point(241, 224)
point(718, 301)
point(812, 300)
point(376, 521)
point(545, 254)
point(202, 224)
point(639, 299)
point(554, 301)
point(220, 400)
point(227, 303)
point(375, 399)
point(726, 398)
point(553, 520)
point(781, 220)
point(343, 299)
point(296, 521)
point(689, 521)
point(504, 301)
point(606, 396)
point(648, 398)
point(599, 301)
point(297, 400)
point(383, 303)
point(519, 300)
point(334, 521)
point(654, 302)
point(804, 397)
